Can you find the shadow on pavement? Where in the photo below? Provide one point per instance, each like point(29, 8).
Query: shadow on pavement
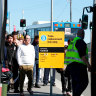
point(34, 94)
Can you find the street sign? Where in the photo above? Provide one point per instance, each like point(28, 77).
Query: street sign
point(51, 49)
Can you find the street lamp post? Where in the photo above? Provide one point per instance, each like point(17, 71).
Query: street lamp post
point(51, 15)
point(70, 10)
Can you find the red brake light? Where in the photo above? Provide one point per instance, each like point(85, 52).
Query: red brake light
point(56, 24)
point(78, 25)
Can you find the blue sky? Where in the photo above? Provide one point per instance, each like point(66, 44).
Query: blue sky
point(39, 10)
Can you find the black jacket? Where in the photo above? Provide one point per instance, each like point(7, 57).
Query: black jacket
point(11, 53)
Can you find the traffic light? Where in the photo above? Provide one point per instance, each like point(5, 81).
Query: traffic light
point(23, 23)
point(91, 25)
point(84, 21)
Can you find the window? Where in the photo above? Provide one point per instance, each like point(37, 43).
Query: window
point(29, 32)
point(35, 32)
point(48, 29)
point(59, 29)
point(74, 30)
point(32, 31)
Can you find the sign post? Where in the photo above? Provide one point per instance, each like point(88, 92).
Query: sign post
point(51, 50)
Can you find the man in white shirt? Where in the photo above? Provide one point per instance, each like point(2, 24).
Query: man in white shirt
point(26, 60)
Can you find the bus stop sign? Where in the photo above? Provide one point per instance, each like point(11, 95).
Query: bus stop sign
point(51, 49)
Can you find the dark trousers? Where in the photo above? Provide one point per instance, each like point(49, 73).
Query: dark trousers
point(79, 76)
point(46, 76)
point(63, 79)
point(69, 87)
point(16, 79)
point(69, 81)
point(14, 68)
point(28, 70)
point(15, 74)
point(37, 73)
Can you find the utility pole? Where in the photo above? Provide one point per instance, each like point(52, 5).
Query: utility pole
point(70, 10)
point(23, 18)
point(93, 53)
point(51, 15)
point(22, 14)
point(51, 70)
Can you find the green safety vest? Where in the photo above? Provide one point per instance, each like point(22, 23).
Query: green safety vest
point(72, 54)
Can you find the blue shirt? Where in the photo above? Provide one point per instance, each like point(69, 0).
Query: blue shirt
point(36, 51)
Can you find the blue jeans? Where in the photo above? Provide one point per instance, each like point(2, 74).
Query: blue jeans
point(46, 76)
point(36, 72)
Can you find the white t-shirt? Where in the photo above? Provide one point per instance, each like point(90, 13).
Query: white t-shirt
point(26, 55)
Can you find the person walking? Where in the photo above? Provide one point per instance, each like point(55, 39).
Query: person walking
point(26, 60)
point(67, 75)
point(36, 69)
point(15, 63)
point(76, 60)
point(11, 51)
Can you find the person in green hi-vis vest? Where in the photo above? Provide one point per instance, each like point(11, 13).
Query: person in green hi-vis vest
point(77, 63)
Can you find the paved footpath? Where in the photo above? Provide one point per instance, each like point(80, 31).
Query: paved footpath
point(45, 90)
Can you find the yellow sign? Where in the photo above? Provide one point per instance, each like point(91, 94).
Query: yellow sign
point(51, 49)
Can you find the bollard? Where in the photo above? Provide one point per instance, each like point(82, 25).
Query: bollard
point(4, 89)
point(0, 89)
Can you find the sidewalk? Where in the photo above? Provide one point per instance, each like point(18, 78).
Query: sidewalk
point(43, 91)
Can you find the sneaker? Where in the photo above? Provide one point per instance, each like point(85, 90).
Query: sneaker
point(44, 84)
point(21, 94)
point(64, 93)
point(30, 91)
point(48, 81)
point(37, 86)
point(53, 84)
point(32, 85)
point(69, 93)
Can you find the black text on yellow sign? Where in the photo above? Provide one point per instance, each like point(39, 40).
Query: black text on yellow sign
point(51, 49)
